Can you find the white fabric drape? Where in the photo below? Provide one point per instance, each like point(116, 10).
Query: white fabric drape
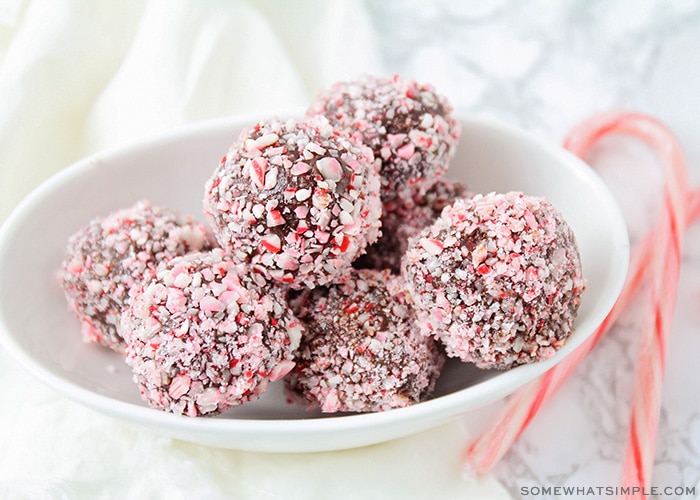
point(77, 76)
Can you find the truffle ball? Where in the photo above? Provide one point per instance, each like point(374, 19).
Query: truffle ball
point(204, 335)
point(403, 219)
point(363, 351)
point(295, 201)
point(110, 254)
point(408, 125)
point(497, 279)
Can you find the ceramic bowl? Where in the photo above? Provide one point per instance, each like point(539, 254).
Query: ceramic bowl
point(37, 328)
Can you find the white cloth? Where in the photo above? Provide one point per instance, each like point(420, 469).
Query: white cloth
point(79, 76)
point(76, 77)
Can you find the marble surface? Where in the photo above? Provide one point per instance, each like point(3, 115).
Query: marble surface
point(542, 65)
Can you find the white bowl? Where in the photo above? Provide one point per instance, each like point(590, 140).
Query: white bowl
point(37, 328)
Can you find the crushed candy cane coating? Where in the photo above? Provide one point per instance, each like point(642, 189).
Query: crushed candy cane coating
point(497, 279)
point(408, 125)
point(110, 254)
point(363, 351)
point(349, 266)
point(295, 201)
point(403, 219)
point(204, 335)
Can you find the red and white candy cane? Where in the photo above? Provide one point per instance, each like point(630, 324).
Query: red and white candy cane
point(678, 210)
point(664, 272)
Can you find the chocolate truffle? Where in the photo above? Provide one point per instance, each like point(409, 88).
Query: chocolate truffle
point(109, 255)
point(408, 125)
point(497, 279)
point(295, 201)
point(204, 335)
point(403, 219)
point(363, 351)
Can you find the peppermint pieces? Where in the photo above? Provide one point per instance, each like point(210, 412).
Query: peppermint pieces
point(408, 126)
point(364, 350)
point(203, 335)
point(347, 266)
point(295, 201)
point(110, 254)
point(403, 219)
point(497, 279)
